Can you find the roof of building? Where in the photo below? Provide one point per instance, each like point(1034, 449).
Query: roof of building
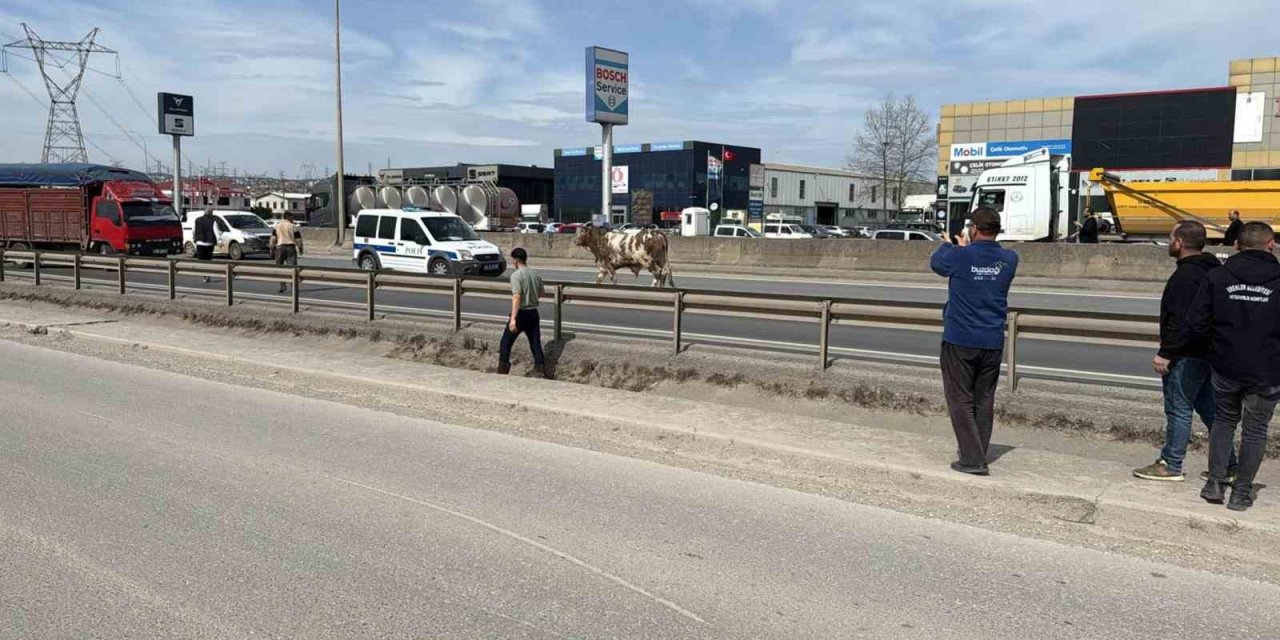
point(822, 171)
point(286, 196)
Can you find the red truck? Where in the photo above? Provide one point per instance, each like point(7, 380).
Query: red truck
point(85, 207)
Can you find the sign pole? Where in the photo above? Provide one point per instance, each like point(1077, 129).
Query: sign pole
point(606, 172)
point(177, 175)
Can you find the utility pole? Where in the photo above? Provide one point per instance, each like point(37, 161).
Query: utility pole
point(63, 140)
point(340, 193)
point(884, 178)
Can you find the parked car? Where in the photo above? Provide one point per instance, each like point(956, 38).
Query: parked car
point(530, 227)
point(735, 231)
point(858, 232)
point(837, 232)
point(785, 230)
point(816, 231)
point(569, 228)
point(552, 227)
point(906, 234)
point(632, 227)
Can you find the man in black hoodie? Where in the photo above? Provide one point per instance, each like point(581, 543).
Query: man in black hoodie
point(1239, 308)
point(1182, 361)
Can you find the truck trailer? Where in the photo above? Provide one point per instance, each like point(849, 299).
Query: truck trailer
point(85, 207)
point(1148, 210)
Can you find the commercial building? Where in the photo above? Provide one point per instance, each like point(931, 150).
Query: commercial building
point(531, 184)
point(277, 203)
point(824, 196)
point(1230, 132)
point(651, 178)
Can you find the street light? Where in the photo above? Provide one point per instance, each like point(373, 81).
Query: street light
point(340, 193)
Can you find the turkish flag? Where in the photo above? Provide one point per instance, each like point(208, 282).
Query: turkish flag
point(729, 155)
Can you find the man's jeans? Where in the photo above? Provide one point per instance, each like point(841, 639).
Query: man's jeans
point(1188, 390)
point(1250, 406)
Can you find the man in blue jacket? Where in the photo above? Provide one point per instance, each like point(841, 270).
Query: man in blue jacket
point(980, 273)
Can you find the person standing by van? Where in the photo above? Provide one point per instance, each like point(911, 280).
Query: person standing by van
point(205, 235)
point(526, 289)
point(1239, 309)
point(286, 244)
point(980, 273)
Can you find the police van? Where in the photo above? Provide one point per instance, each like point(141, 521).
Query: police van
point(422, 242)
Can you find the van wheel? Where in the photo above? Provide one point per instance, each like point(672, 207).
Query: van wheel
point(439, 267)
point(368, 262)
point(189, 249)
point(235, 251)
point(19, 246)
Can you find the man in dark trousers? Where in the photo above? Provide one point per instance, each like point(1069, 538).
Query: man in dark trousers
point(205, 236)
point(526, 289)
point(980, 273)
point(1182, 361)
point(1239, 309)
point(1232, 234)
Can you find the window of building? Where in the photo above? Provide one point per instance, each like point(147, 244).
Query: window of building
point(773, 187)
point(875, 193)
point(853, 192)
point(802, 189)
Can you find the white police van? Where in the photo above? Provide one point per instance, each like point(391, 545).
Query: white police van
point(423, 242)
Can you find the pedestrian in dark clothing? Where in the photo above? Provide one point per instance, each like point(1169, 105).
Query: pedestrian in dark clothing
point(205, 236)
point(980, 272)
point(526, 289)
point(1233, 230)
point(1088, 228)
point(1239, 308)
point(1182, 360)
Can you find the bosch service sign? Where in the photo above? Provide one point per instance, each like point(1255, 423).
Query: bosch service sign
point(607, 88)
point(176, 114)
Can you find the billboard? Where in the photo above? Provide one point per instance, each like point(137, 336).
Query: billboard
point(621, 179)
point(607, 86)
point(642, 206)
point(176, 114)
point(1250, 108)
point(1163, 130)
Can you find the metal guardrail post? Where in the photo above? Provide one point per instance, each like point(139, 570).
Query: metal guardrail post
point(558, 331)
point(371, 285)
point(120, 275)
point(457, 304)
point(35, 263)
point(230, 275)
point(824, 334)
point(75, 269)
point(1011, 351)
point(295, 295)
point(173, 279)
point(677, 325)
point(1, 264)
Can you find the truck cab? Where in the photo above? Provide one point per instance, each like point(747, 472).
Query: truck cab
point(1031, 193)
point(422, 242)
point(134, 218)
point(240, 234)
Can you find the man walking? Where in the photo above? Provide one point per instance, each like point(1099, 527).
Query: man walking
point(205, 235)
point(1182, 360)
point(1232, 234)
point(1239, 308)
point(526, 289)
point(286, 243)
point(980, 273)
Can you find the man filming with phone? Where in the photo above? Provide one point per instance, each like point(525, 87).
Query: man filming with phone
point(980, 273)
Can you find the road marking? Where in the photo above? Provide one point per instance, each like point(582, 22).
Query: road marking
point(534, 543)
point(96, 416)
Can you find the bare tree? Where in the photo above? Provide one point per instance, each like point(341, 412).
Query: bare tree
point(897, 144)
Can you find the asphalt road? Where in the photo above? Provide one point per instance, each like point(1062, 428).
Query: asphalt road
point(135, 503)
point(856, 341)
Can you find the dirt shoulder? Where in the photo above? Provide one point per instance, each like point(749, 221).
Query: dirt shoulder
point(872, 434)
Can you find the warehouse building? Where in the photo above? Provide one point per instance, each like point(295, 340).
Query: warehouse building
point(531, 184)
point(825, 196)
point(1230, 132)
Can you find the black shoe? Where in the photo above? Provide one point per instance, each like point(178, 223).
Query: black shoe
point(974, 471)
point(504, 368)
point(1214, 492)
point(541, 371)
point(1241, 500)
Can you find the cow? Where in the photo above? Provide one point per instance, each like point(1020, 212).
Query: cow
point(614, 250)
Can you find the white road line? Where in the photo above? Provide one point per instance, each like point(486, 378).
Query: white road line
point(96, 416)
point(533, 543)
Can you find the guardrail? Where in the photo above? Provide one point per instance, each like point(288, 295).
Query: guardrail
point(1067, 325)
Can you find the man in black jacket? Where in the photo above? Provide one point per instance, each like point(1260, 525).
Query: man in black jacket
point(205, 236)
point(1239, 308)
point(1233, 230)
point(1182, 361)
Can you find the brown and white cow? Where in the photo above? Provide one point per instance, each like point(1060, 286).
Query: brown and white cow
point(614, 250)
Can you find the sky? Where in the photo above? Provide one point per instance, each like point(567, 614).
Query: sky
point(431, 82)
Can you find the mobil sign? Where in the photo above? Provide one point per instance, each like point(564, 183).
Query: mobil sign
point(607, 87)
point(969, 151)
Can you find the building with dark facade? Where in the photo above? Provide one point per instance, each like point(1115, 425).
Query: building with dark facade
point(531, 184)
point(652, 178)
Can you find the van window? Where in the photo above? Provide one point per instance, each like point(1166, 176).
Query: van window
point(891, 235)
point(771, 228)
point(410, 230)
point(449, 229)
point(387, 228)
point(993, 198)
point(366, 226)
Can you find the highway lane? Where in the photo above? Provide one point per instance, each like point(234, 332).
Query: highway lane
point(847, 341)
point(149, 504)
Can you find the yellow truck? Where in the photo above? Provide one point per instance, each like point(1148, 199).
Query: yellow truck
point(1148, 210)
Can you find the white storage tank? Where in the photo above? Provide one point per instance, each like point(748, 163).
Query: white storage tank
point(418, 197)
